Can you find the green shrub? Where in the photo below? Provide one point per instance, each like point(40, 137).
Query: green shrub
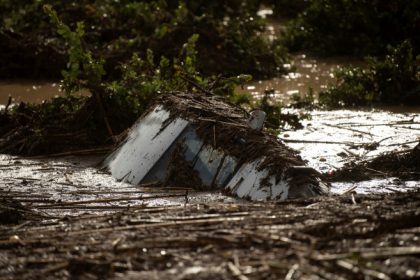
point(354, 27)
point(229, 40)
point(392, 80)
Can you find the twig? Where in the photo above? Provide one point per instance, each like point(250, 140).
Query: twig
point(236, 271)
point(55, 268)
point(106, 200)
point(377, 171)
point(100, 150)
point(98, 97)
point(371, 253)
point(226, 123)
point(349, 190)
point(214, 136)
point(9, 101)
point(195, 84)
point(369, 272)
point(320, 142)
point(401, 144)
point(353, 200)
point(348, 128)
point(157, 225)
point(291, 272)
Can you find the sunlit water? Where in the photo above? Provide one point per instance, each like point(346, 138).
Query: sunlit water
point(73, 186)
point(306, 74)
point(51, 182)
point(28, 91)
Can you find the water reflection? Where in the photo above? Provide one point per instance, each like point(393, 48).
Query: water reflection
point(305, 74)
point(28, 91)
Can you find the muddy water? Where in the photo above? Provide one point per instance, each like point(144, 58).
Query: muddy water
point(73, 185)
point(31, 91)
point(28, 91)
point(305, 74)
point(332, 138)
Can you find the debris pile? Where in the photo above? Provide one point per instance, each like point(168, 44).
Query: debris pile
point(402, 164)
point(338, 237)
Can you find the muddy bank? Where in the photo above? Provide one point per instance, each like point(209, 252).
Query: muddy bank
point(341, 237)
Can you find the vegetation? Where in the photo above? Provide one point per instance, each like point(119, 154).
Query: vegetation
point(113, 105)
point(384, 33)
point(350, 27)
point(229, 40)
point(286, 9)
point(393, 80)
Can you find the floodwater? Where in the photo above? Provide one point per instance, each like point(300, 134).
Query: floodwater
point(328, 140)
point(73, 186)
point(31, 91)
point(28, 91)
point(306, 74)
point(331, 139)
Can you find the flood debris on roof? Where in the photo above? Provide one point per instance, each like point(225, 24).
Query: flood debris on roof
point(202, 141)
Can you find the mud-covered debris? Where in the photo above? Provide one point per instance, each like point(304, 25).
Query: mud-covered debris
point(12, 211)
point(340, 237)
point(402, 164)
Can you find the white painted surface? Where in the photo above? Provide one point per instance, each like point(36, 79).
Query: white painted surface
point(247, 184)
point(145, 144)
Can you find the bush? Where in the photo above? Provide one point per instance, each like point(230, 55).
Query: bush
point(229, 40)
point(72, 122)
point(392, 80)
point(354, 27)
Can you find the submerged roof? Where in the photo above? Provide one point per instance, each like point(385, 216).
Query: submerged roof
point(202, 141)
